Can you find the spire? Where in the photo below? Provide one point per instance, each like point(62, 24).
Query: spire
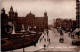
point(11, 8)
point(16, 14)
point(30, 12)
point(45, 13)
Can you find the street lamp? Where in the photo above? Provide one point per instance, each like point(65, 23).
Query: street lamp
point(23, 40)
point(23, 31)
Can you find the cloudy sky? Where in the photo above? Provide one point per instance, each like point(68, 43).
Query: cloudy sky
point(55, 8)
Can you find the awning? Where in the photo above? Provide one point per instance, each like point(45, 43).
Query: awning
point(77, 30)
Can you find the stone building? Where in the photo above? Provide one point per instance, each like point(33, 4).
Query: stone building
point(4, 17)
point(65, 24)
point(78, 13)
point(29, 21)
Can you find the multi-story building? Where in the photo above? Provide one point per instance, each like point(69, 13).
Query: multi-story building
point(78, 13)
point(65, 23)
point(29, 21)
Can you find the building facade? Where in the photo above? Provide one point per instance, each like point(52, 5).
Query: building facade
point(4, 20)
point(29, 21)
point(78, 13)
point(65, 24)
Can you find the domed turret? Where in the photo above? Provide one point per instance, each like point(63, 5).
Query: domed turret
point(16, 14)
point(11, 12)
point(45, 14)
point(30, 15)
point(3, 10)
point(11, 9)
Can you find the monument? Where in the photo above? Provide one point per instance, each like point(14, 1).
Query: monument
point(23, 29)
point(13, 32)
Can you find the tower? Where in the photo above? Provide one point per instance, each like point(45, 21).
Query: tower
point(16, 14)
point(45, 20)
point(11, 12)
point(11, 9)
point(3, 17)
point(3, 11)
point(45, 14)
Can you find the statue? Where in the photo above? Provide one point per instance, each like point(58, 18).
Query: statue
point(13, 32)
point(28, 28)
point(23, 26)
point(23, 29)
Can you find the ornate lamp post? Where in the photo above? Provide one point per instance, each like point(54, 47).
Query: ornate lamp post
point(23, 31)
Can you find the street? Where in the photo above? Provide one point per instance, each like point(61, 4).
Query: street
point(55, 45)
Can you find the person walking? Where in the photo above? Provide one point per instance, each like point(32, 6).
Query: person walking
point(61, 33)
point(47, 32)
point(49, 40)
point(44, 47)
point(43, 36)
point(45, 39)
point(40, 40)
point(69, 34)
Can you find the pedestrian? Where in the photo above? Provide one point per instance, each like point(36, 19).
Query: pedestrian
point(47, 32)
point(35, 44)
point(40, 40)
point(43, 36)
point(44, 46)
point(69, 34)
point(61, 33)
point(49, 40)
point(45, 40)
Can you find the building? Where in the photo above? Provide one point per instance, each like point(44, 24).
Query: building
point(65, 24)
point(29, 21)
point(4, 20)
point(78, 13)
point(4, 17)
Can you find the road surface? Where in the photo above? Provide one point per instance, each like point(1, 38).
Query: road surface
point(55, 45)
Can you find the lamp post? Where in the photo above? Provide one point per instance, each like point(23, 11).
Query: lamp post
point(23, 31)
point(23, 39)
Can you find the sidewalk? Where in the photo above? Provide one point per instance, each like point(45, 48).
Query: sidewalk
point(39, 45)
point(56, 46)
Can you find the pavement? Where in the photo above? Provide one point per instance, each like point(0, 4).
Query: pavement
point(54, 44)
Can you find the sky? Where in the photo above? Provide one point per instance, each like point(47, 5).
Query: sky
point(54, 8)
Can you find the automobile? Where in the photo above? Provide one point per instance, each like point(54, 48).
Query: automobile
point(76, 42)
point(61, 40)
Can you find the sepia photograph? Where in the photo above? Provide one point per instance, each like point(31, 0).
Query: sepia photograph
point(40, 25)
